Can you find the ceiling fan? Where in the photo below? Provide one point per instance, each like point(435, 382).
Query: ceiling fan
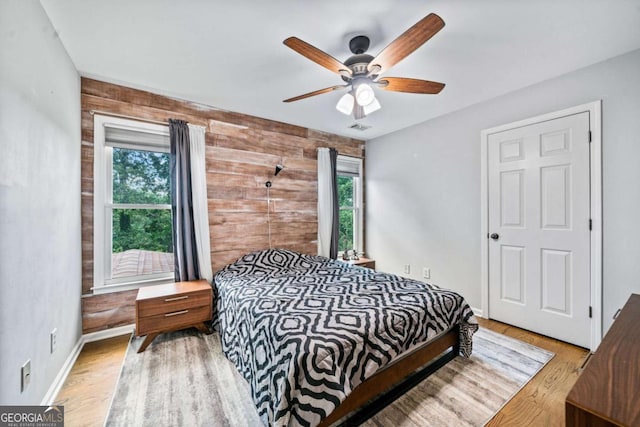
point(361, 71)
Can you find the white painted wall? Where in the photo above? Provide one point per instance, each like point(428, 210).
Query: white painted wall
point(423, 183)
point(40, 241)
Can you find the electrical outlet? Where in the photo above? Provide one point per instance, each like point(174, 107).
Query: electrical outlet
point(426, 273)
point(25, 374)
point(407, 268)
point(54, 339)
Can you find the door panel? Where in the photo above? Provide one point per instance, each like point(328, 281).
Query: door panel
point(556, 281)
point(512, 198)
point(539, 265)
point(512, 275)
point(555, 197)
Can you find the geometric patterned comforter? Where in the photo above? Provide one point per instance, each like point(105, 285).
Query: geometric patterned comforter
point(305, 330)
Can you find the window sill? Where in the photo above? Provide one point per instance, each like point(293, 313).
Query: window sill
point(128, 286)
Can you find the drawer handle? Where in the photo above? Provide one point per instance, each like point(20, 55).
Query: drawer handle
point(176, 298)
point(176, 313)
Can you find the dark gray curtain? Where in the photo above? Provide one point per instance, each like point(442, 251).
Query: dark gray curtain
point(333, 250)
point(184, 238)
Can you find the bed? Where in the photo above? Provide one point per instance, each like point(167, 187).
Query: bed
point(317, 338)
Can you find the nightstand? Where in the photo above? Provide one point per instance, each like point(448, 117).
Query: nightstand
point(363, 262)
point(165, 308)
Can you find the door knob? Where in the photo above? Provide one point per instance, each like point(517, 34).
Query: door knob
point(495, 236)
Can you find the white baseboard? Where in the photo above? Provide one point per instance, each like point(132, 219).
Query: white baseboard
point(477, 312)
point(109, 333)
point(62, 375)
point(59, 380)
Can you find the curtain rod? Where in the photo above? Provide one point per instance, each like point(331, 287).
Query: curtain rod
point(140, 119)
point(124, 116)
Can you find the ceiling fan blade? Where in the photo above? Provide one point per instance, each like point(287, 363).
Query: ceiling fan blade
point(401, 84)
point(314, 93)
point(409, 41)
point(317, 56)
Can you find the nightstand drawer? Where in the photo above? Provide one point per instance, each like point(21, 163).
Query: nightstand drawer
point(173, 303)
point(173, 320)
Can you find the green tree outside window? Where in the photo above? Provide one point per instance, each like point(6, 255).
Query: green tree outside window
point(141, 177)
point(345, 200)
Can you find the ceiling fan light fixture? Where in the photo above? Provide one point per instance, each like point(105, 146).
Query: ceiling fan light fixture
point(373, 106)
point(345, 104)
point(361, 70)
point(365, 94)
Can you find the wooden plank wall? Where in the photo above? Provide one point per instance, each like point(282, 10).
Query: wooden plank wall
point(241, 154)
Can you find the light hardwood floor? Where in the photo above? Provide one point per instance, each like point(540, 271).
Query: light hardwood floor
point(86, 395)
point(541, 401)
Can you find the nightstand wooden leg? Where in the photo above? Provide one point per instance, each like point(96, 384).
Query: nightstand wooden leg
point(202, 327)
point(147, 341)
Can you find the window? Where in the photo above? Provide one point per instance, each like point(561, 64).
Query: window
point(349, 171)
point(132, 204)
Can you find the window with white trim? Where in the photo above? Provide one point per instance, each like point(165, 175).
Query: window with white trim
point(132, 204)
point(349, 171)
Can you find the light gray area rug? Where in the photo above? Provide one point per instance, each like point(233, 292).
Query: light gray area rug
point(183, 379)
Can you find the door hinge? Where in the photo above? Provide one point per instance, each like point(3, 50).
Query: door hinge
point(590, 312)
point(589, 136)
point(590, 224)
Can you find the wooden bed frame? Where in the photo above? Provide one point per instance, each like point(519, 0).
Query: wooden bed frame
point(394, 380)
point(378, 391)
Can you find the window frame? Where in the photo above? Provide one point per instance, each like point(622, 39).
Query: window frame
point(103, 202)
point(345, 166)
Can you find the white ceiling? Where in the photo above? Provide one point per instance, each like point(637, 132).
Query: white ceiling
point(229, 54)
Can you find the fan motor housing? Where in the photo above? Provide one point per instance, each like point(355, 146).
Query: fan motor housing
point(357, 64)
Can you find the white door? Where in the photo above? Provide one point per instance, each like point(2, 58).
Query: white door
point(539, 225)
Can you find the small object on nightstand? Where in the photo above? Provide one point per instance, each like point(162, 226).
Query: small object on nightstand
point(350, 255)
point(170, 307)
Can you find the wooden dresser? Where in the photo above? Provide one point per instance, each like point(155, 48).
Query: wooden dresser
point(607, 392)
point(164, 308)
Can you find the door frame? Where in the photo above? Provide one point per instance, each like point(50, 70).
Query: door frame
point(595, 158)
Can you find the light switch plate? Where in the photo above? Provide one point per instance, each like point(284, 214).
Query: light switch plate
point(54, 339)
point(25, 372)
